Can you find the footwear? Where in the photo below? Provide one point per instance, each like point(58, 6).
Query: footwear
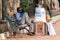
point(31, 34)
point(14, 33)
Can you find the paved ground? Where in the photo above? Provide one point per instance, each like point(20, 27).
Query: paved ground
point(38, 37)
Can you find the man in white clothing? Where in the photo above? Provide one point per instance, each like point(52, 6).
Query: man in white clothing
point(23, 18)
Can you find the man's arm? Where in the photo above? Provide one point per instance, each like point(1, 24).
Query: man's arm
point(18, 16)
point(27, 20)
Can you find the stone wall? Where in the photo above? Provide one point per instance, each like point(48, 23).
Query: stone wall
point(55, 6)
point(46, 5)
point(11, 6)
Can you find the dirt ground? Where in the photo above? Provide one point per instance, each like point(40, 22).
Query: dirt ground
point(38, 37)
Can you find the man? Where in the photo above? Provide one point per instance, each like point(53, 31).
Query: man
point(40, 17)
point(23, 18)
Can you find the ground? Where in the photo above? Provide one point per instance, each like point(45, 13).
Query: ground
point(38, 37)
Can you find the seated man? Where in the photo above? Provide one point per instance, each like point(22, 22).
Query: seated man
point(23, 18)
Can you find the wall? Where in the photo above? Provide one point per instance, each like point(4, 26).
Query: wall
point(11, 6)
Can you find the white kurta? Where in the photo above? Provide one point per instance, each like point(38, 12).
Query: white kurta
point(23, 19)
point(51, 28)
point(40, 14)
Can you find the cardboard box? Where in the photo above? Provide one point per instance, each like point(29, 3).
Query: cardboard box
point(39, 28)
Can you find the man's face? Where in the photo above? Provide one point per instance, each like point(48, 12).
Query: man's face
point(20, 10)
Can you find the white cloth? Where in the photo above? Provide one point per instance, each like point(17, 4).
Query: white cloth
point(40, 14)
point(23, 19)
point(18, 16)
point(50, 28)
